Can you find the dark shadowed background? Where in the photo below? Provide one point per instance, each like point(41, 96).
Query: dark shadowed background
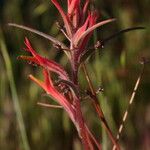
point(115, 68)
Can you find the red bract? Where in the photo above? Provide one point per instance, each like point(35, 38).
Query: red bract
point(47, 64)
point(72, 108)
point(75, 20)
point(79, 28)
point(48, 86)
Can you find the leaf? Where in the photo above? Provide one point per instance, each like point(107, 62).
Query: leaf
point(64, 16)
point(52, 39)
point(81, 30)
point(89, 52)
point(85, 7)
point(84, 34)
point(47, 64)
point(50, 89)
point(119, 33)
point(72, 6)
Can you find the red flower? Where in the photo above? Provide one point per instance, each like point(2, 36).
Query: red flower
point(79, 28)
point(79, 25)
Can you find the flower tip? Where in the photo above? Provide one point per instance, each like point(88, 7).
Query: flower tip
point(113, 19)
point(26, 41)
point(30, 76)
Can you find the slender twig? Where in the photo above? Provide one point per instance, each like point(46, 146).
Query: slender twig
point(98, 108)
point(124, 118)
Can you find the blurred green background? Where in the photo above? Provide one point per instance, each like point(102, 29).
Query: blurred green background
point(116, 68)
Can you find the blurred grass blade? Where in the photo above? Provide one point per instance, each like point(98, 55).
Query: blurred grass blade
point(124, 118)
point(14, 92)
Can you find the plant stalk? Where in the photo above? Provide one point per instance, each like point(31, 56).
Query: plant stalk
point(79, 116)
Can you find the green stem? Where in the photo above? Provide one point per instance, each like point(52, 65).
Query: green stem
point(14, 92)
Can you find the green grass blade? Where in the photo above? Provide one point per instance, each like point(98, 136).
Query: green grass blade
point(14, 92)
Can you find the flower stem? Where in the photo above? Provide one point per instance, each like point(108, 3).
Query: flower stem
point(80, 124)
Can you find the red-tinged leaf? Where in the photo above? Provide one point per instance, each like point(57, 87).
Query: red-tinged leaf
point(29, 58)
point(72, 6)
point(57, 95)
point(64, 16)
point(81, 30)
point(69, 2)
point(83, 35)
point(83, 46)
point(75, 19)
point(48, 81)
point(85, 7)
point(52, 39)
point(47, 64)
point(59, 98)
point(93, 19)
point(37, 81)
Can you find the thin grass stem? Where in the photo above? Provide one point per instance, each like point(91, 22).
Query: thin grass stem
point(124, 118)
point(15, 98)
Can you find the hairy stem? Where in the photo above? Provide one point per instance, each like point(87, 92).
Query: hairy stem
point(76, 102)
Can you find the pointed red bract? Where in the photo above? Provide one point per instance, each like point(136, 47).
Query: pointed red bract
point(72, 6)
point(47, 64)
point(48, 86)
point(64, 16)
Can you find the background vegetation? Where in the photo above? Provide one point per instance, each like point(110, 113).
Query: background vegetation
point(116, 68)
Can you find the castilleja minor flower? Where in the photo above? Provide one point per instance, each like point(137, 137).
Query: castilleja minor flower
point(79, 24)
